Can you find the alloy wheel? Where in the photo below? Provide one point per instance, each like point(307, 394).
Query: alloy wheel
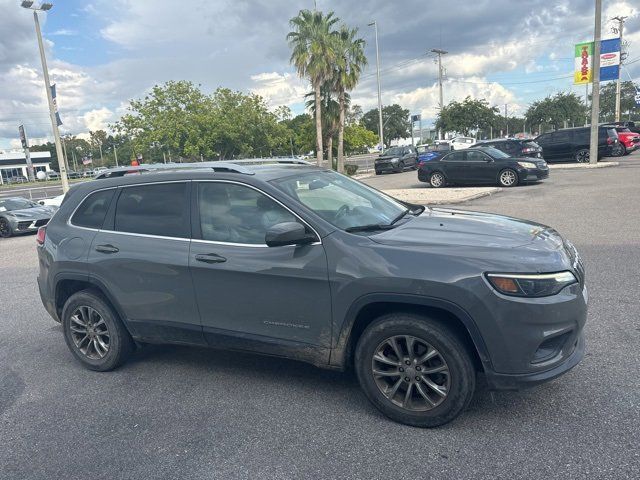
point(437, 180)
point(508, 178)
point(5, 228)
point(410, 373)
point(89, 332)
point(582, 156)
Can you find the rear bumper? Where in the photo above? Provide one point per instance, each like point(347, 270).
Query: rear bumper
point(47, 300)
point(502, 381)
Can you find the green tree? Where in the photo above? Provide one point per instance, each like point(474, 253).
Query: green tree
point(354, 115)
point(395, 120)
point(350, 62)
point(312, 42)
point(556, 111)
point(357, 139)
point(330, 114)
point(628, 106)
point(173, 115)
point(301, 133)
point(467, 116)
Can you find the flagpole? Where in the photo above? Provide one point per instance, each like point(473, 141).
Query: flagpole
point(62, 163)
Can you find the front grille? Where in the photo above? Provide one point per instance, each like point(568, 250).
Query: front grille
point(24, 225)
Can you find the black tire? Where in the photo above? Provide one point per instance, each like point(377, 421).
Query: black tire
point(5, 228)
point(437, 180)
point(582, 156)
point(120, 344)
point(508, 178)
point(462, 376)
point(400, 168)
point(378, 173)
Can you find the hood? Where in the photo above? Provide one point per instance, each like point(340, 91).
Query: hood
point(35, 213)
point(450, 227)
point(387, 157)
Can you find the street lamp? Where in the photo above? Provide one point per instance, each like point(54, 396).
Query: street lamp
point(47, 85)
point(380, 126)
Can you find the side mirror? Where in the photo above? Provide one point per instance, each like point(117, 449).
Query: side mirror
point(288, 233)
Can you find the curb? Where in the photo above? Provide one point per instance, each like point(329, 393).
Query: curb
point(573, 166)
point(423, 201)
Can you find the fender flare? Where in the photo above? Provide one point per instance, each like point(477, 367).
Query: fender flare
point(340, 351)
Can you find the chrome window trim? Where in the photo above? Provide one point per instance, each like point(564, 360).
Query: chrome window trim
point(259, 245)
point(252, 245)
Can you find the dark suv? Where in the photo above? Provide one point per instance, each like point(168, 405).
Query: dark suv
point(514, 147)
point(396, 159)
point(573, 143)
point(296, 261)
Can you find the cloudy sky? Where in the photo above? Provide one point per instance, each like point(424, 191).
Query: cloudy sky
point(102, 53)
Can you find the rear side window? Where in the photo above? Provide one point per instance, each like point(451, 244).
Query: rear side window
point(91, 212)
point(561, 136)
point(159, 209)
point(454, 157)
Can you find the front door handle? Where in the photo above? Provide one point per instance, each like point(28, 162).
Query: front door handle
point(107, 249)
point(210, 258)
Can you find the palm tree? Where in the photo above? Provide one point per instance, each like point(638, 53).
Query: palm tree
point(351, 60)
point(312, 42)
point(330, 113)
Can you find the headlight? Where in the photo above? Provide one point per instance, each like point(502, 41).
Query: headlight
point(394, 160)
point(530, 285)
point(527, 164)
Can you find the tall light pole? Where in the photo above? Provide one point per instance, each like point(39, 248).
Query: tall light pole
point(620, 31)
point(595, 90)
point(440, 52)
point(47, 85)
point(380, 126)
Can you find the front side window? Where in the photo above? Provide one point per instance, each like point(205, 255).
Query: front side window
point(234, 213)
point(341, 201)
point(160, 209)
point(91, 212)
point(476, 156)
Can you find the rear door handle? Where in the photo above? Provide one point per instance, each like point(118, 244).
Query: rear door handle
point(107, 249)
point(210, 258)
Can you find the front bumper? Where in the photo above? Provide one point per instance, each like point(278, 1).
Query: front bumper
point(382, 167)
point(502, 381)
point(20, 225)
point(533, 174)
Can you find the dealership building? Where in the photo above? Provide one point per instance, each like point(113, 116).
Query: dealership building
point(14, 164)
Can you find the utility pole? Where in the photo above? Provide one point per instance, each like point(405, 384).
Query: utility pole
point(47, 84)
point(620, 30)
point(27, 154)
point(380, 125)
point(595, 90)
point(115, 153)
point(440, 52)
point(506, 118)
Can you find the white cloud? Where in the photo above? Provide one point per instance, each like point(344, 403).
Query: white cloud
point(280, 88)
point(97, 119)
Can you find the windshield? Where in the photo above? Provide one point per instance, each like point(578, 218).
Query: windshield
point(393, 151)
point(341, 201)
point(495, 153)
point(10, 204)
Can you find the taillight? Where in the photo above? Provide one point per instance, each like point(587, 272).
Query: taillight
point(41, 235)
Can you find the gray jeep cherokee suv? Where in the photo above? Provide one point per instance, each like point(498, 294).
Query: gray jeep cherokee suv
point(296, 261)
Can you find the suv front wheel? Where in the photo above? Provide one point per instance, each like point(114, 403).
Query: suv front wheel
point(94, 333)
point(414, 370)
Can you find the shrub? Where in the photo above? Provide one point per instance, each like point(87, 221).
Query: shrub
point(350, 169)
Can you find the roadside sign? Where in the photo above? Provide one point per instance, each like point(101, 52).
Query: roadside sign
point(637, 97)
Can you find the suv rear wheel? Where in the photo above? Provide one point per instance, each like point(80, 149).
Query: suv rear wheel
point(414, 370)
point(94, 333)
point(582, 156)
point(437, 180)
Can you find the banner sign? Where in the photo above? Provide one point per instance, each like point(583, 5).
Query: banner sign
point(23, 137)
point(87, 161)
point(609, 59)
point(55, 104)
point(583, 59)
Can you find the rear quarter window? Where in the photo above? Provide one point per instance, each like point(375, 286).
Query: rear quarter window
point(93, 209)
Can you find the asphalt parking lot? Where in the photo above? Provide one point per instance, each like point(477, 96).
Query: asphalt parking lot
point(175, 412)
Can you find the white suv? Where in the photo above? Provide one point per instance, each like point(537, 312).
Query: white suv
point(460, 143)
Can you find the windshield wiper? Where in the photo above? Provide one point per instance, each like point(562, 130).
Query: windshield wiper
point(369, 228)
point(400, 217)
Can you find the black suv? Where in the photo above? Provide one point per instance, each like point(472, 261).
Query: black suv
point(573, 143)
point(513, 147)
point(301, 262)
point(397, 159)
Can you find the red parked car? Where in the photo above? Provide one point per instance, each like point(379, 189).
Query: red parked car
point(628, 141)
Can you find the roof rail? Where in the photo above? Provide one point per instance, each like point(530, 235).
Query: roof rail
point(235, 166)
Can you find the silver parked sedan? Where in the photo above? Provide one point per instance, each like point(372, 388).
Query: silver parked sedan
point(20, 215)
